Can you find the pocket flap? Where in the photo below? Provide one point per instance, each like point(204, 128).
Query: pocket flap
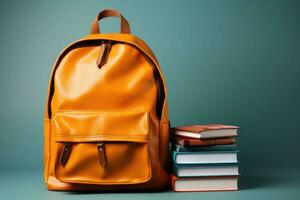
point(90, 126)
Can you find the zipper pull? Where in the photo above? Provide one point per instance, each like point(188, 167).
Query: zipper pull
point(101, 154)
point(104, 52)
point(65, 153)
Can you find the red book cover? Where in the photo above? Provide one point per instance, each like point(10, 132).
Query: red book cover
point(201, 128)
point(183, 141)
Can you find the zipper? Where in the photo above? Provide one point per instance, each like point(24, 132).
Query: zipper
point(104, 52)
point(101, 154)
point(159, 86)
point(65, 154)
point(105, 46)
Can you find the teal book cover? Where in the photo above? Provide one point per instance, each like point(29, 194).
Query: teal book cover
point(201, 170)
point(229, 147)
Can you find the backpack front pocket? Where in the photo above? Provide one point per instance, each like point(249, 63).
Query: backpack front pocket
point(102, 148)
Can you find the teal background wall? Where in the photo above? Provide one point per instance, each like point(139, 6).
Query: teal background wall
point(233, 62)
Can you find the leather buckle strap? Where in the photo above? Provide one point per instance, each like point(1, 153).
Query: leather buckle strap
point(95, 28)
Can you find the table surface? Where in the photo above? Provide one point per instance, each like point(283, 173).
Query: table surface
point(266, 183)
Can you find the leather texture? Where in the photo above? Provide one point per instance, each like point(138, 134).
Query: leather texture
point(106, 128)
point(125, 28)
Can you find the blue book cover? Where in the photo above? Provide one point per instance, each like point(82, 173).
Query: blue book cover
point(204, 157)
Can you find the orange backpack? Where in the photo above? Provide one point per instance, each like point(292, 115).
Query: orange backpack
point(106, 125)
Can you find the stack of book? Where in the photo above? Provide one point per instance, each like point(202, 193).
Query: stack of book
point(204, 158)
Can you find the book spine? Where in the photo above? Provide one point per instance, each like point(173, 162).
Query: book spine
point(210, 142)
point(174, 153)
point(173, 179)
point(174, 169)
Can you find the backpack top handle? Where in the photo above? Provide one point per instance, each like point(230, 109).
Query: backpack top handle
point(95, 29)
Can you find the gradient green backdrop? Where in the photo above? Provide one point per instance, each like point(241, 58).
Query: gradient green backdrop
point(233, 62)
